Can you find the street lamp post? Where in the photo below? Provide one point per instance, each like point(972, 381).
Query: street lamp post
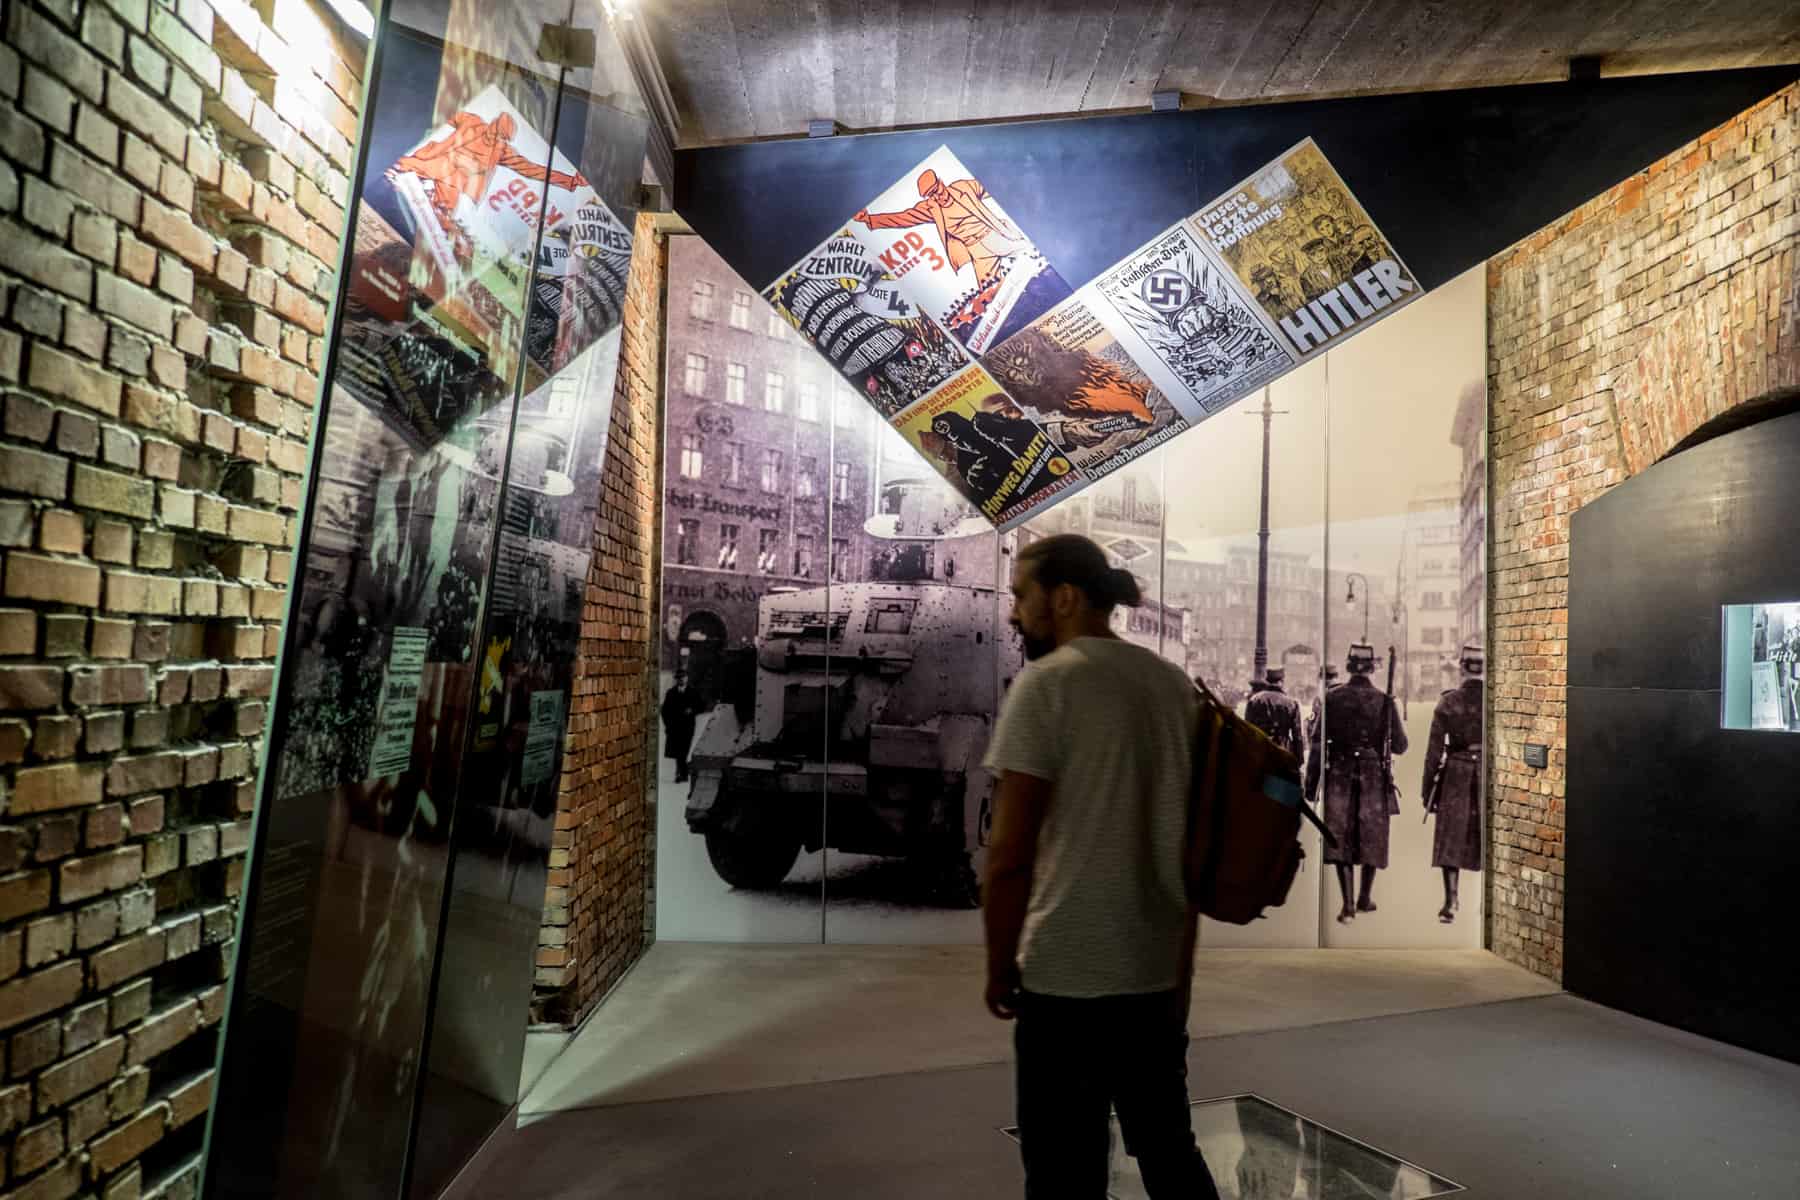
point(1350, 578)
point(1260, 663)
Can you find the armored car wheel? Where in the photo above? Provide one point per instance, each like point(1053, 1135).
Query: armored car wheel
point(753, 858)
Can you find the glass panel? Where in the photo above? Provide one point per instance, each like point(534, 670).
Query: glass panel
point(913, 691)
point(1246, 611)
point(1256, 1150)
point(1408, 420)
point(745, 624)
point(371, 717)
point(553, 485)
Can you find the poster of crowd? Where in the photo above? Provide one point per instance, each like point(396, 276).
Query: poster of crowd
point(978, 439)
point(956, 254)
point(1071, 376)
point(1299, 241)
point(848, 308)
point(1207, 344)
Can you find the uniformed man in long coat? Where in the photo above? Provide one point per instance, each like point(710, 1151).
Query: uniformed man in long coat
point(680, 713)
point(1276, 713)
point(1312, 720)
point(1452, 782)
point(1361, 724)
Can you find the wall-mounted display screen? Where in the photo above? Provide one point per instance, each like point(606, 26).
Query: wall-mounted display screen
point(1760, 678)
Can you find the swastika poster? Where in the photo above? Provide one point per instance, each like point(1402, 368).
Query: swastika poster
point(1207, 343)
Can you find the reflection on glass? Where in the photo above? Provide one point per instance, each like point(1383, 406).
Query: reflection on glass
point(482, 264)
point(1256, 1150)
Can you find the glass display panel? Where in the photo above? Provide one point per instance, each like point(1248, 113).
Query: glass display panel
point(1256, 1150)
point(480, 267)
point(1759, 680)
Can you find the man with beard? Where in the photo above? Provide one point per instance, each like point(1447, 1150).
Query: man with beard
point(1090, 936)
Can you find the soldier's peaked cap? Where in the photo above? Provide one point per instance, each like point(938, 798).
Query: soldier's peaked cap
point(1474, 658)
point(1361, 655)
point(1275, 674)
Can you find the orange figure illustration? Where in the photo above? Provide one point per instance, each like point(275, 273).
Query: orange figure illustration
point(462, 163)
point(971, 231)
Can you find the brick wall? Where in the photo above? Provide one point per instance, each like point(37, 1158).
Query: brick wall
point(172, 182)
point(602, 857)
point(1613, 334)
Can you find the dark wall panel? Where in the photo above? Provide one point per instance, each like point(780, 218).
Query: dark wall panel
point(1450, 177)
point(1681, 834)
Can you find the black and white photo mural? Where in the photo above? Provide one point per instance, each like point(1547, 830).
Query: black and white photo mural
point(835, 637)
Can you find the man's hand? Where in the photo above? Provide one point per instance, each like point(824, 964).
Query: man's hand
point(862, 214)
point(1003, 992)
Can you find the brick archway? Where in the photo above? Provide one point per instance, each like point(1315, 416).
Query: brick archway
point(1662, 306)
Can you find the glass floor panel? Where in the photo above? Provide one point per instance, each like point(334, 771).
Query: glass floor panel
point(1260, 1151)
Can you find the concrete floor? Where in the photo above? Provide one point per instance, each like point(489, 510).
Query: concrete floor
point(695, 1020)
point(1549, 1097)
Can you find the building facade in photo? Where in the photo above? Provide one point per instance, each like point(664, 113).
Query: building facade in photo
point(770, 459)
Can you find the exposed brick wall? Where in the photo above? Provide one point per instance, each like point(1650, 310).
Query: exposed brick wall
point(1613, 334)
point(171, 195)
point(602, 856)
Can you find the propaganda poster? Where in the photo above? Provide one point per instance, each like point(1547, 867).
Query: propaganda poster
point(978, 439)
point(1207, 345)
point(847, 307)
point(1308, 253)
point(472, 189)
point(957, 255)
point(1071, 376)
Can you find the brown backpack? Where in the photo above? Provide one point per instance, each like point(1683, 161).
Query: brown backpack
point(1244, 811)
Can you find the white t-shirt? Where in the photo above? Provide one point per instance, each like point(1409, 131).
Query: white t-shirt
point(1111, 725)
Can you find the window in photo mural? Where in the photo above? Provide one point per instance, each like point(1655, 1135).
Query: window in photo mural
point(483, 266)
point(1402, 773)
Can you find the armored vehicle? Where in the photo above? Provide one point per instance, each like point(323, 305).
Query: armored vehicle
point(861, 722)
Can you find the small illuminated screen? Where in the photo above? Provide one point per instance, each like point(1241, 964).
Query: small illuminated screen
point(1760, 679)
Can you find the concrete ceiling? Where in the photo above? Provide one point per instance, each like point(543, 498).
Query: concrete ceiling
point(741, 70)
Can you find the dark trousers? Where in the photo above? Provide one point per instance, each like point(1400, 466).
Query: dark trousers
point(1079, 1059)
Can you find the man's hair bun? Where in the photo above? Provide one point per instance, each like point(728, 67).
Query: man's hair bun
point(1125, 589)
